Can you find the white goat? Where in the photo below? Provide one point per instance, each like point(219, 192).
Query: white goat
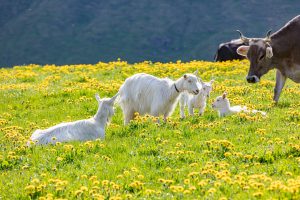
point(144, 93)
point(222, 105)
point(81, 130)
point(195, 101)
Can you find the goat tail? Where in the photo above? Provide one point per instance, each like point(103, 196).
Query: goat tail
point(121, 96)
point(263, 113)
point(118, 98)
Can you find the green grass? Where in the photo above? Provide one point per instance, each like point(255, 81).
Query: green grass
point(201, 157)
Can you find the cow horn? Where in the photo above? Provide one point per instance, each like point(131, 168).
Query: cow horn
point(243, 38)
point(268, 38)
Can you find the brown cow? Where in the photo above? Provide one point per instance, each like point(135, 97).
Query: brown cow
point(281, 51)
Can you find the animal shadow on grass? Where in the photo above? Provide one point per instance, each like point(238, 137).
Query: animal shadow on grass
point(282, 104)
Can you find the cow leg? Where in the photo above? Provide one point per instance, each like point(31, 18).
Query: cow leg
point(280, 81)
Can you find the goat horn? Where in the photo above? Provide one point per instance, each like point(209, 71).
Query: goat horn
point(243, 38)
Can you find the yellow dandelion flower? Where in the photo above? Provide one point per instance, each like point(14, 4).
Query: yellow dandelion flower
point(126, 173)
point(59, 159)
point(186, 192)
point(96, 182)
point(257, 194)
point(84, 188)
point(140, 176)
point(78, 192)
point(128, 196)
point(288, 173)
point(186, 181)
point(105, 182)
point(84, 176)
point(223, 198)
point(30, 188)
point(211, 190)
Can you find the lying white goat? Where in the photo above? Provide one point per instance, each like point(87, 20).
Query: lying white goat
point(222, 105)
point(81, 130)
point(195, 101)
point(144, 93)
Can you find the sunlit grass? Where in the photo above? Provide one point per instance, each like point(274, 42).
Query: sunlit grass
point(237, 157)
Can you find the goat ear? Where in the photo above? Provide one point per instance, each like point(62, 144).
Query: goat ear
point(196, 73)
point(97, 97)
point(243, 50)
point(185, 76)
point(201, 81)
point(224, 95)
point(212, 81)
point(269, 52)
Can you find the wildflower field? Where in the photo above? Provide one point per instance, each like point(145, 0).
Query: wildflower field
point(202, 157)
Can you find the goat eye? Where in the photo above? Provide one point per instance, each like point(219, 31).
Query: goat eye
point(189, 81)
point(218, 100)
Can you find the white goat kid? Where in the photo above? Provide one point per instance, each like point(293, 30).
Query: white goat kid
point(147, 94)
point(195, 101)
point(81, 130)
point(222, 105)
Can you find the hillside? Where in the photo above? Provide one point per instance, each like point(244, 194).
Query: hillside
point(76, 31)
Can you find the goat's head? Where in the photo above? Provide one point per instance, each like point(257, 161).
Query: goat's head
point(106, 105)
point(206, 87)
point(191, 84)
point(221, 102)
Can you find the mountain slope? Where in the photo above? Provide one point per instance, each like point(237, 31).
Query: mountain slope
point(81, 31)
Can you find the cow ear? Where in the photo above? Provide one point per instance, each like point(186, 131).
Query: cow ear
point(243, 50)
point(269, 52)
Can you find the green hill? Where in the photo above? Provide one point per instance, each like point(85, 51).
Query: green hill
point(81, 31)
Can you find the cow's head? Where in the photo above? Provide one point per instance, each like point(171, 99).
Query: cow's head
point(259, 52)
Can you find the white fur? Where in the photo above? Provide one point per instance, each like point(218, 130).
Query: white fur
point(144, 93)
point(81, 130)
point(195, 101)
point(222, 105)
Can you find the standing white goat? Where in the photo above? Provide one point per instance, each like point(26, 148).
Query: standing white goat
point(81, 130)
point(222, 105)
point(195, 101)
point(144, 93)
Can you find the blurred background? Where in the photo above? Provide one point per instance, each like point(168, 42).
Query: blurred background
point(89, 31)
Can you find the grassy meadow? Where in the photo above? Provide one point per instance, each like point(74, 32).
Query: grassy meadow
point(202, 157)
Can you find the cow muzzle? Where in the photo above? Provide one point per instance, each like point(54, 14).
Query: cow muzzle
point(252, 79)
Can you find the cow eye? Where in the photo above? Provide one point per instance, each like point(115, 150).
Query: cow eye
point(262, 57)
